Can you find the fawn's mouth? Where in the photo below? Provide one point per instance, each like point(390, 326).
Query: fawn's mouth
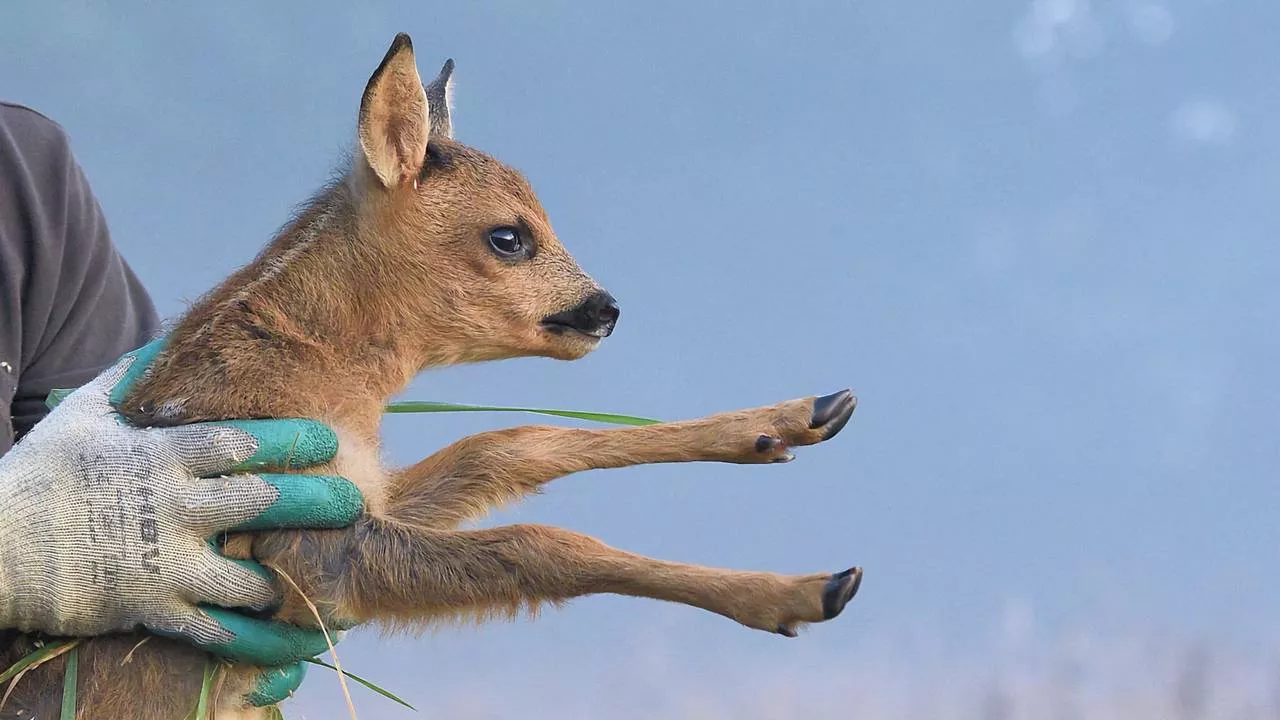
point(562, 329)
point(595, 318)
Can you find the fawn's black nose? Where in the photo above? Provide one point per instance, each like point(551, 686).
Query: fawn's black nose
point(602, 309)
point(596, 316)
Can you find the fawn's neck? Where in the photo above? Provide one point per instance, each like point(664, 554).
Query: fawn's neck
point(305, 330)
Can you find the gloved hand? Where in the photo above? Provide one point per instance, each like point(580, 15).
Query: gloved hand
point(105, 526)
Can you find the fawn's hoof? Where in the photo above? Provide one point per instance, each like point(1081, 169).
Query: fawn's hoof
point(831, 413)
point(840, 590)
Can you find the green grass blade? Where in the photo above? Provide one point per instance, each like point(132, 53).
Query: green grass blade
point(57, 395)
point(362, 681)
point(69, 681)
point(206, 689)
point(35, 656)
point(429, 406)
point(201, 710)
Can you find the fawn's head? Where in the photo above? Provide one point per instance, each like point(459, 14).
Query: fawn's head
point(478, 261)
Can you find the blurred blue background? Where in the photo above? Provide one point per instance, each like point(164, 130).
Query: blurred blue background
point(1037, 238)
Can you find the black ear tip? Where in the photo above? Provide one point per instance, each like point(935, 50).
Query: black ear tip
point(446, 72)
point(402, 42)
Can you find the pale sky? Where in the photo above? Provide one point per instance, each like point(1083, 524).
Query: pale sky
point(1036, 238)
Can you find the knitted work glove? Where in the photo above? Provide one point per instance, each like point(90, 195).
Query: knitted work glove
point(106, 527)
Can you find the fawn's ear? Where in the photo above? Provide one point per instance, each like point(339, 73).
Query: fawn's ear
point(393, 126)
point(440, 101)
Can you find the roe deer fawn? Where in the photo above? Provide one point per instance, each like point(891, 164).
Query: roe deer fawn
point(425, 253)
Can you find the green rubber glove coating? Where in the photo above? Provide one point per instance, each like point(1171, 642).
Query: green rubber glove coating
point(285, 443)
point(142, 358)
point(308, 501)
point(276, 684)
point(263, 642)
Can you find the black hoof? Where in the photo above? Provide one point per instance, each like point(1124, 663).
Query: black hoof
point(832, 412)
point(840, 590)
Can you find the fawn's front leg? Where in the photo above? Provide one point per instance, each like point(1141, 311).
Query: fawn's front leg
point(407, 565)
point(476, 473)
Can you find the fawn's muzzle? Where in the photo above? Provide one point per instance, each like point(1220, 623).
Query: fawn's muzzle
point(596, 316)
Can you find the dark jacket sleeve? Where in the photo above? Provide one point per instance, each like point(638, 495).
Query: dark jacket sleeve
point(71, 305)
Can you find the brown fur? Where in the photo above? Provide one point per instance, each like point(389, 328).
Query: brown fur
point(384, 274)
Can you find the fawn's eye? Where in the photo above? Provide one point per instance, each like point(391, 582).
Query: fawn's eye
point(506, 242)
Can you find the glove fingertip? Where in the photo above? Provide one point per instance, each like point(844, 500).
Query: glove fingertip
point(290, 443)
point(263, 642)
point(141, 360)
point(275, 685)
point(308, 501)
